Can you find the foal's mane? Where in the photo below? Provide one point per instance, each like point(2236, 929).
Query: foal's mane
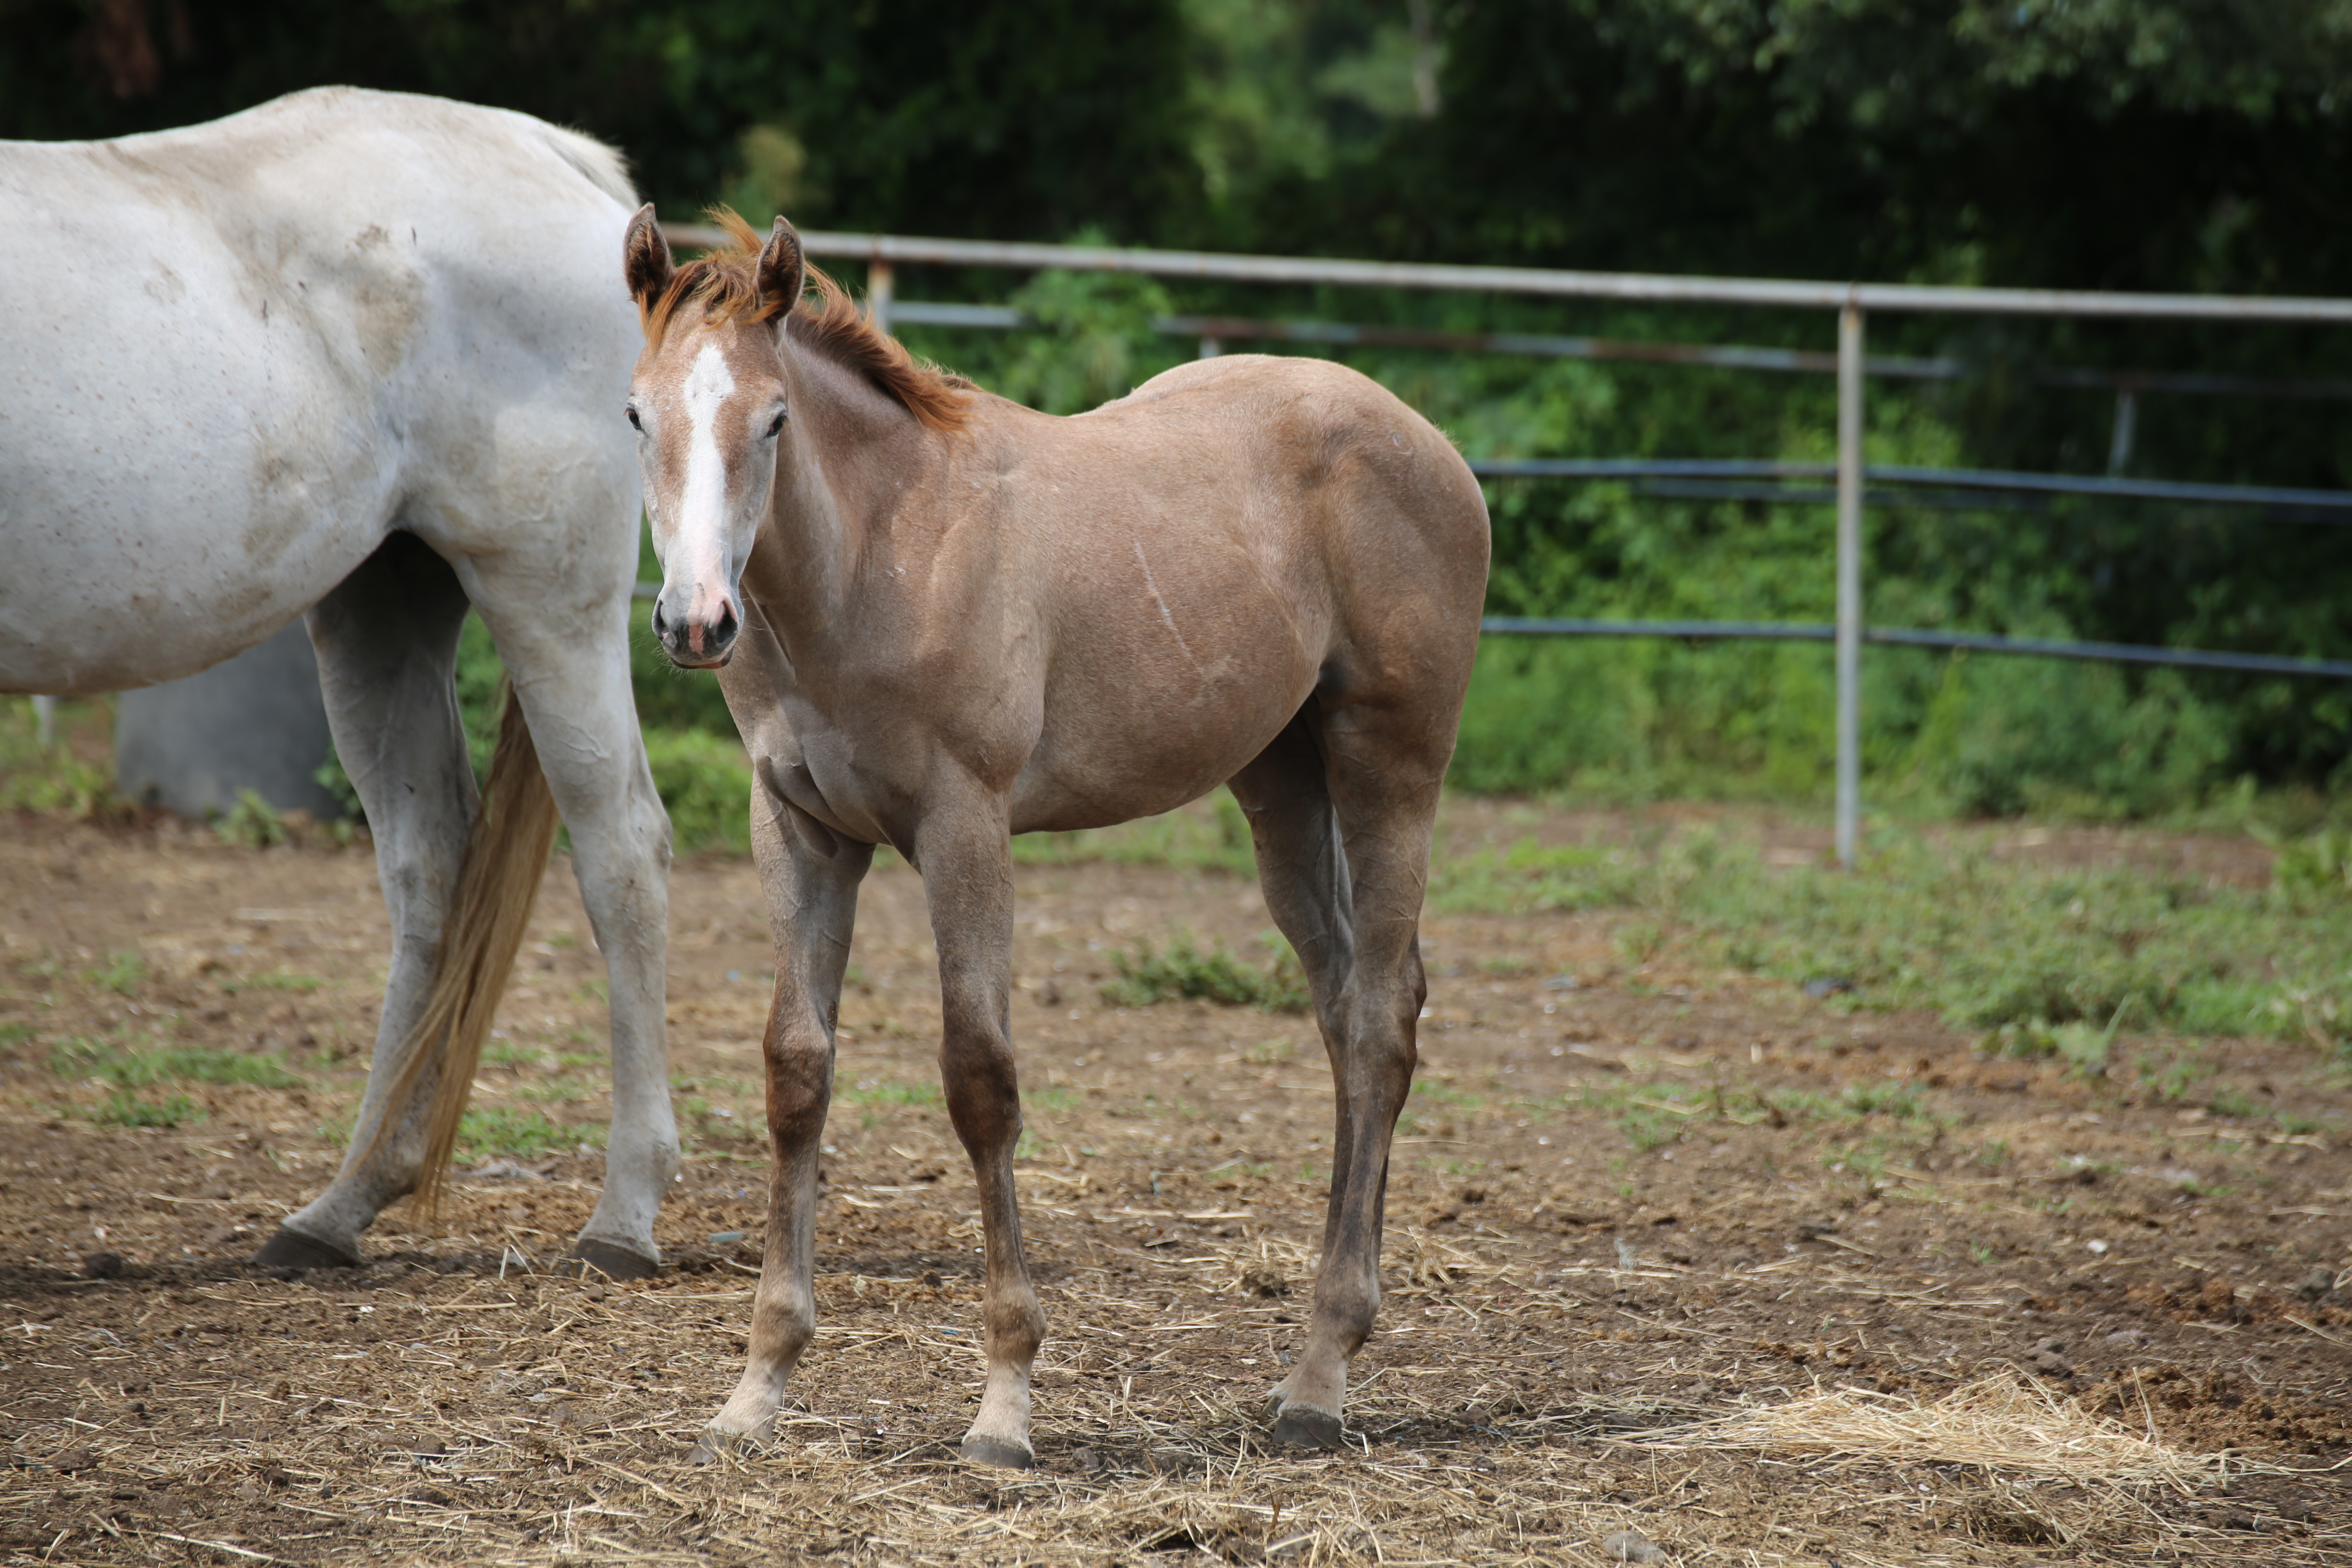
point(725, 283)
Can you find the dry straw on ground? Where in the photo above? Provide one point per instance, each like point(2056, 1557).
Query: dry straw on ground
point(1993, 1424)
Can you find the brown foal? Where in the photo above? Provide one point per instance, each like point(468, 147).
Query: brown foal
point(941, 619)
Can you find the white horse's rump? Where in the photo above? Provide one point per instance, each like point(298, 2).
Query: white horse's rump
point(359, 354)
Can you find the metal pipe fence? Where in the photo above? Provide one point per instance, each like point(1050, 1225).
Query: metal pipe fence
point(1852, 302)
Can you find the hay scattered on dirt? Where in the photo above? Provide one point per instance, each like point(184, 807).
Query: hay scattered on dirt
point(1994, 1423)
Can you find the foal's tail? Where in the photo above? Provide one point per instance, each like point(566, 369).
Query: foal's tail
point(506, 855)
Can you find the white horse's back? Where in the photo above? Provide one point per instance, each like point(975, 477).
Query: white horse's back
point(239, 354)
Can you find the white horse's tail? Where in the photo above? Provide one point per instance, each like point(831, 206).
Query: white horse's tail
point(506, 856)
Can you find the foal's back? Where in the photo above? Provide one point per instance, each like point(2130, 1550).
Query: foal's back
point(1207, 551)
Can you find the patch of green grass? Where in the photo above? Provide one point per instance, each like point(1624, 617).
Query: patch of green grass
point(1893, 1099)
point(1645, 1127)
point(2175, 1078)
point(122, 973)
point(252, 823)
point(561, 1090)
point(1437, 1092)
point(872, 1091)
point(1943, 924)
point(1187, 972)
point(1209, 834)
point(277, 980)
point(2314, 871)
point(128, 1067)
point(51, 778)
point(2230, 1101)
point(1529, 877)
point(1048, 1098)
point(121, 1108)
point(492, 1132)
point(514, 1054)
point(1271, 1053)
point(13, 1035)
point(1505, 965)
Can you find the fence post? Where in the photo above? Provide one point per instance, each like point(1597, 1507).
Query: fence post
point(1849, 581)
point(880, 279)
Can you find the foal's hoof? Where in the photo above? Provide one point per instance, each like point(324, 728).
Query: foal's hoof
point(292, 1249)
point(996, 1451)
point(710, 1445)
point(611, 1259)
point(1300, 1427)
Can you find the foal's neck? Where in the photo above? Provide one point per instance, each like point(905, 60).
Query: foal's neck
point(841, 510)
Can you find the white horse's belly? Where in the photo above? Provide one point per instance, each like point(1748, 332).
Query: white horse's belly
point(181, 468)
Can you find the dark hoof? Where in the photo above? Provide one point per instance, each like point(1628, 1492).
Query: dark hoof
point(1004, 1456)
point(292, 1249)
point(612, 1260)
point(1299, 1428)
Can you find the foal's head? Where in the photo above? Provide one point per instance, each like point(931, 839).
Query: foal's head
point(711, 402)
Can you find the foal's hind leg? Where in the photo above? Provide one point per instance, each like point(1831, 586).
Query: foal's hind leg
point(387, 646)
point(1342, 831)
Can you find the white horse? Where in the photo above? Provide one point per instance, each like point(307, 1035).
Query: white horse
point(362, 356)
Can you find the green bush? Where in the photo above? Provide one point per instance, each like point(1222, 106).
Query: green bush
point(706, 786)
point(1188, 972)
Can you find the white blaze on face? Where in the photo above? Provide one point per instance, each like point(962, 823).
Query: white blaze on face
point(702, 509)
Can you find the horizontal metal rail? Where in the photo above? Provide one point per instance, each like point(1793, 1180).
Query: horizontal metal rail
point(900, 249)
point(1901, 636)
point(1729, 356)
point(2273, 496)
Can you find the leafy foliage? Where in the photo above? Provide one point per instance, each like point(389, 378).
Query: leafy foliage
point(1189, 972)
point(2109, 143)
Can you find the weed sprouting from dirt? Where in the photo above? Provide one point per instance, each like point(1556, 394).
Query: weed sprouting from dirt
point(252, 823)
point(124, 1110)
point(1186, 970)
point(122, 973)
point(491, 1132)
point(129, 1066)
point(2057, 955)
point(1210, 835)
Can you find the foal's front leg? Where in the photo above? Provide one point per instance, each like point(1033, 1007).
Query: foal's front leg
point(810, 876)
point(966, 860)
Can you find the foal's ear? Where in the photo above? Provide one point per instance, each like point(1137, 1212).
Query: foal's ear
point(644, 257)
point(780, 272)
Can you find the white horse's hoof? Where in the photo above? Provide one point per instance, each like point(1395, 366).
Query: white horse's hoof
point(986, 1450)
point(1304, 1427)
point(289, 1248)
point(714, 1443)
point(611, 1259)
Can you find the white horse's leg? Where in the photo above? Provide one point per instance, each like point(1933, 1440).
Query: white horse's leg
point(571, 674)
point(811, 875)
point(387, 645)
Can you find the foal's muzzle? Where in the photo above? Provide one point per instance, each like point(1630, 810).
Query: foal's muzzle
point(698, 643)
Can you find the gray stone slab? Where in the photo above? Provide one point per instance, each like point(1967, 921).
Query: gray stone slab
point(254, 721)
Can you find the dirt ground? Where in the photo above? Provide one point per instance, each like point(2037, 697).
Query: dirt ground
point(1626, 1199)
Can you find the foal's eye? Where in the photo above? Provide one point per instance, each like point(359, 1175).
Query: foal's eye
point(634, 422)
point(775, 426)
